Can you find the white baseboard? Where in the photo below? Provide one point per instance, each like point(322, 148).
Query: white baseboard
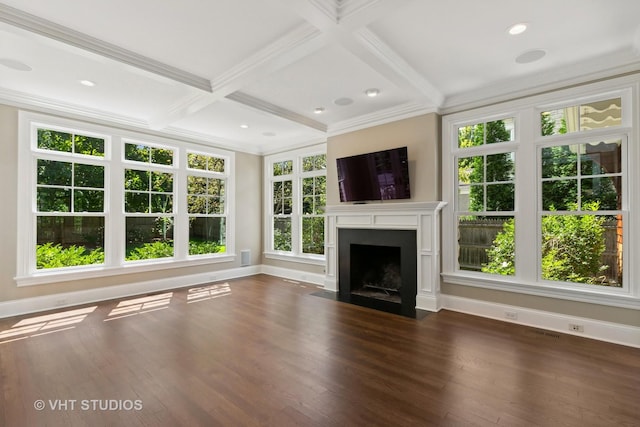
point(297, 275)
point(604, 331)
point(61, 300)
point(428, 302)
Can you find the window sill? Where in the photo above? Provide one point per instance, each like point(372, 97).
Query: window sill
point(47, 277)
point(303, 259)
point(608, 296)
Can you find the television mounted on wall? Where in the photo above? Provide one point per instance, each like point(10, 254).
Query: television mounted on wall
point(381, 175)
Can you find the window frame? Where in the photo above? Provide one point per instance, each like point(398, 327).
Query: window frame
point(296, 254)
point(209, 174)
point(114, 206)
point(528, 210)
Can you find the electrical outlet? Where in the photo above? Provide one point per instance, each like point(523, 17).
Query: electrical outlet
point(576, 328)
point(512, 315)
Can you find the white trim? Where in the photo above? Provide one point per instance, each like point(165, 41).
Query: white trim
point(297, 275)
point(596, 329)
point(296, 176)
point(303, 259)
point(276, 110)
point(131, 267)
point(83, 41)
point(590, 294)
point(67, 299)
point(390, 58)
point(381, 117)
point(584, 73)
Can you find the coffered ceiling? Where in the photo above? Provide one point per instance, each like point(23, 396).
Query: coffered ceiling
point(292, 72)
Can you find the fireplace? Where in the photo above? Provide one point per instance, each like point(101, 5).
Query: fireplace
point(377, 269)
point(402, 237)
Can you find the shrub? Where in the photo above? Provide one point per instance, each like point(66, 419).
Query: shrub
point(200, 248)
point(572, 248)
point(51, 255)
point(160, 249)
point(502, 252)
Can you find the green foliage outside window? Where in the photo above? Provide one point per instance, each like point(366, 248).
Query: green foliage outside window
point(51, 255)
point(65, 142)
point(160, 249)
point(572, 248)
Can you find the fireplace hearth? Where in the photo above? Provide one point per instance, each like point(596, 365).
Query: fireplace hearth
point(377, 269)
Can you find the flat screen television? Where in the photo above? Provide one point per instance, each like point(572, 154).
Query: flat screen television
point(382, 175)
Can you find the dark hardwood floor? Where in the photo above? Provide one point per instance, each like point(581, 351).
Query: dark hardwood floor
point(265, 351)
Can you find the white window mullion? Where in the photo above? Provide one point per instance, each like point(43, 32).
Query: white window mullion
point(115, 238)
point(181, 216)
point(527, 243)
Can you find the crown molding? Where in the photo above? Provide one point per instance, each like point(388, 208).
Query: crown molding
point(51, 30)
point(211, 141)
point(395, 62)
point(54, 107)
point(381, 117)
point(573, 75)
point(276, 110)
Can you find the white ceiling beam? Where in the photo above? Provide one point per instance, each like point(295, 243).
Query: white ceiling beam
point(347, 26)
point(373, 51)
point(300, 42)
point(276, 110)
point(51, 30)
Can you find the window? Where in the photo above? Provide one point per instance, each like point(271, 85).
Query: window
point(314, 200)
point(99, 201)
point(296, 189)
point(485, 194)
point(148, 202)
point(69, 209)
point(538, 197)
point(206, 184)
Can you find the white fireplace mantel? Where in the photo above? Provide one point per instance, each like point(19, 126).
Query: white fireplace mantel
point(424, 217)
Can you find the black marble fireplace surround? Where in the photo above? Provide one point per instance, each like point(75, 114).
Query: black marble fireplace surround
point(377, 268)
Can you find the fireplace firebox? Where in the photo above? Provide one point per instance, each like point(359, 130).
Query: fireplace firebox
point(377, 268)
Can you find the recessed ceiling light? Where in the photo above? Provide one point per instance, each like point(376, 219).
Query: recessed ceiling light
point(14, 64)
point(87, 83)
point(318, 110)
point(372, 93)
point(530, 56)
point(517, 28)
point(244, 126)
point(343, 101)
